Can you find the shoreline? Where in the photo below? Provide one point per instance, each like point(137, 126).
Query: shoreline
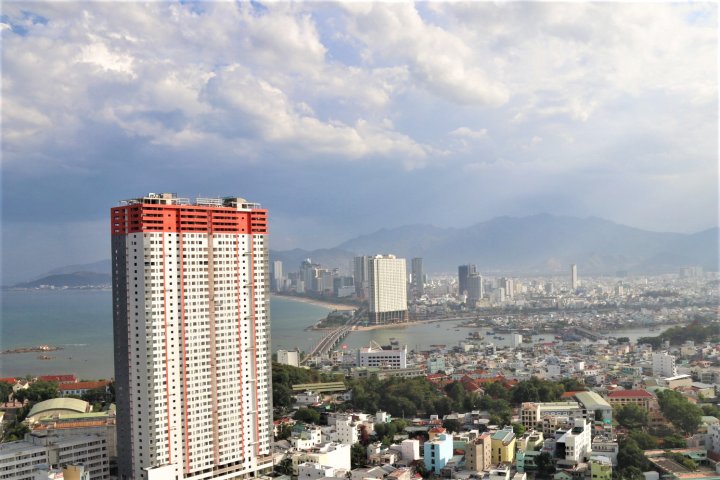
point(319, 303)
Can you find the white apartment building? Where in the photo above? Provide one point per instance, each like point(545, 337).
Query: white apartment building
point(575, 445)
point(346, 430)
point(21, 460)
point(388, 357)
point(192, 335)
point(663, 365)
point(288, 357)
point(387, 290)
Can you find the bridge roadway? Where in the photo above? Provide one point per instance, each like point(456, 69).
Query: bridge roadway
point(328, 341)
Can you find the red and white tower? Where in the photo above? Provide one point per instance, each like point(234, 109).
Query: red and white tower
point(192, 338)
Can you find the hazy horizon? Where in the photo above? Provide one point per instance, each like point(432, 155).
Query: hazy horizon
point(346, 118)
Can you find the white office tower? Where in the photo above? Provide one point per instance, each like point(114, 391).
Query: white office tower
point(387, 290)
point(192, 334)
point(663, 365)
point(574, 282)
point(277, 276)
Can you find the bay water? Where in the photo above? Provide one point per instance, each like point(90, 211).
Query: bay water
point(80, 321)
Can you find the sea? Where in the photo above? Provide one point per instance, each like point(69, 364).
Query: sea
point(80, 321)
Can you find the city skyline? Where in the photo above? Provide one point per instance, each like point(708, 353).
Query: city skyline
point(327, 114)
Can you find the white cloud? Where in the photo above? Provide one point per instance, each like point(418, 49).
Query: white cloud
point(437, 59)
point(467, 132)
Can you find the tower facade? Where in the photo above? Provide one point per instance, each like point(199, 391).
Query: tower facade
point(387, 290)
point(191, 327)
point(574, 284)
point(418, 280)
point(464, 271)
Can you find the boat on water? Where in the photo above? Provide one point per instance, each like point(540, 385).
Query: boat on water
point(490, 333)
point(394, 341)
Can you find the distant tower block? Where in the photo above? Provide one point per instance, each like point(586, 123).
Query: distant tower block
point(388, 290)
point(418, 282)
point(574, 282)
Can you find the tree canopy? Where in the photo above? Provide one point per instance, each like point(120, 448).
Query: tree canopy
point(631, 416)
point(679, 411)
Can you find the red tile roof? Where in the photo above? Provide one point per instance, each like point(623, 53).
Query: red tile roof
point(63, 387)
point(58, 378)
point(630, 394)
point(8, 380)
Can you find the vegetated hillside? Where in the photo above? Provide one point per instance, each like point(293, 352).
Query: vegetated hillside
point(103, 266)
point(77, 279)
point(541, 244)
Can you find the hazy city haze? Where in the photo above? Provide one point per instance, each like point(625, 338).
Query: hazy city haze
point(345, 118)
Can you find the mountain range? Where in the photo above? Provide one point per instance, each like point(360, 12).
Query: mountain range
point(537, 244)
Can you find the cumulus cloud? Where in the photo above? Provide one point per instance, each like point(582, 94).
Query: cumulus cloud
point(467, 132)
point(392, 102)
point(437, 59)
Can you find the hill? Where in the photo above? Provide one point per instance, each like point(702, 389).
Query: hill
point(542, 244)
point(70, 280)
point(537, 244)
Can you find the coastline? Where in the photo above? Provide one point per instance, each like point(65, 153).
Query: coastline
point(319, 303)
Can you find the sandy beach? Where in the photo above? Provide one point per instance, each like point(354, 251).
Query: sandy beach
point(320, 303)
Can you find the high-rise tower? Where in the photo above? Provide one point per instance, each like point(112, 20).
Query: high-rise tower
point(574, 283)
point(418, 280)
point(464, 271)
point(387, 290)
point(192, 338)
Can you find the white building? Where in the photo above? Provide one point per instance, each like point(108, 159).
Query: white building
point(574, 281)
point(331, 454)
point(387, 290)
point(288, 357)
point(347, 430)
point(21, 460)
point(663, 365)
point(192, 335)
point(314, 471)
point(306, 436)
point(577, 443)
point(410, 450)
point(18, 460)
point(390, 357)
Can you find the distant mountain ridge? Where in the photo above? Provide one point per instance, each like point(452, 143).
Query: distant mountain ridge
point(537, 244)
point(541, 244)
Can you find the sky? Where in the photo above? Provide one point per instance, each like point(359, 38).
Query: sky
point(344, 118)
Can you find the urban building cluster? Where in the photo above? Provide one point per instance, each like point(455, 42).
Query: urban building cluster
point(193, 392)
